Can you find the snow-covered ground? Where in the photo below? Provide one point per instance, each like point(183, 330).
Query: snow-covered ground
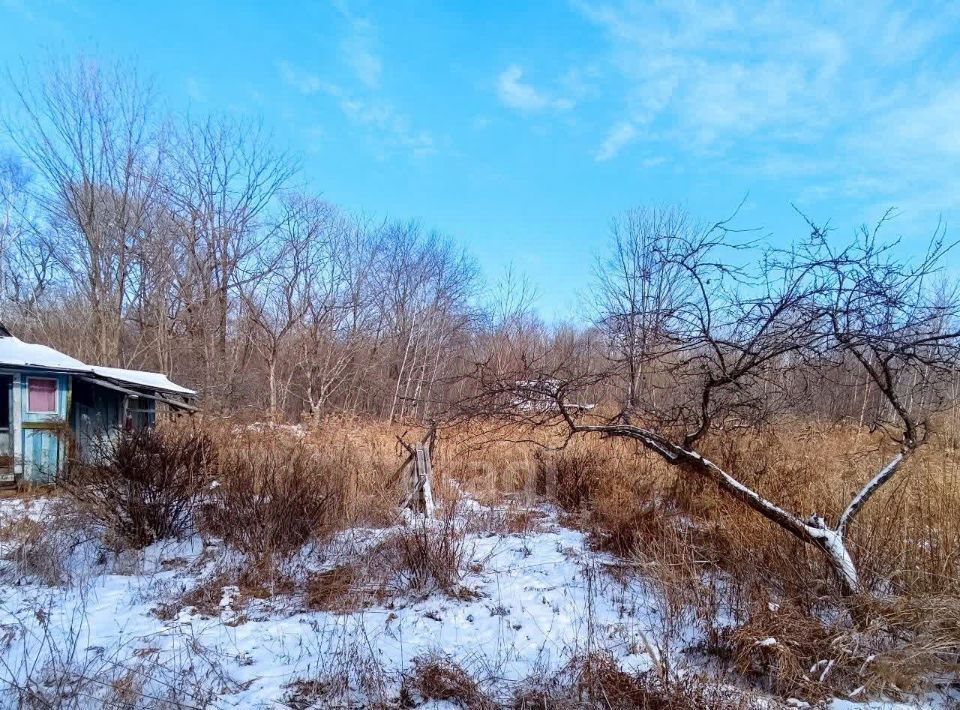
point(533, 601)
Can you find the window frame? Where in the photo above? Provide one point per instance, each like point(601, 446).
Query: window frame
point(56, 395)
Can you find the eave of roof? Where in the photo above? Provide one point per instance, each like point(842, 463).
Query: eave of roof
point(14, 353)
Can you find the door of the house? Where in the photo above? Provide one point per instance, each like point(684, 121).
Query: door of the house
point(42, 455)
point(6, 429)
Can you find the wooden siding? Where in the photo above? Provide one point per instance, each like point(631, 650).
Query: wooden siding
point(42, 437)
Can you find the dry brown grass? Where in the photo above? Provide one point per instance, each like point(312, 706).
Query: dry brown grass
point(350, 459)
point(42, 550)
point(681, 534)
point(597, 682)
point(364, 455)
point(685, 535)
point(417, 559)
point(341, 590)
point(907, 540)
point(428, 558)
point(438, 677)
point(39, 551)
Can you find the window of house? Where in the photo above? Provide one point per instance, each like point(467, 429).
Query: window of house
point(41, 395)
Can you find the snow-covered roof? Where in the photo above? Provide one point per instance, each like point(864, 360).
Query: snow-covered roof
point(141, 378)
point(14, 352)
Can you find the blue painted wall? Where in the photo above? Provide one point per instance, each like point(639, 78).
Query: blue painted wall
point(85, 413)
point(43, 444)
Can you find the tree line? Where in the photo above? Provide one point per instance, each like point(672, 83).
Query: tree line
point(188, 245)
point(133, 239)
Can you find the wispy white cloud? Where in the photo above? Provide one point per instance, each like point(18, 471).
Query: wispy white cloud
point(859, 95)
point(359, 47)
point(19, 7)
point(713, 73)
point(523, 96)
point(304, 82)
point(907, 154)
point(620, 135)
point(390, 125)
point(387, 127)
point(366, 64)
point(358, 93)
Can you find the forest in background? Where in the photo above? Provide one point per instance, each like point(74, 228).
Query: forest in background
point(188, 245)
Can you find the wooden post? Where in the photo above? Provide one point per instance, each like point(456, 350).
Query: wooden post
point(419, 498)
point(426, 475)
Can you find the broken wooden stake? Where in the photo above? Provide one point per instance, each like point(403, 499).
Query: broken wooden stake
point(419, 498)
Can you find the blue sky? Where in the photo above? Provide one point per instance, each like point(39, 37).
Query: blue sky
point(520, 129)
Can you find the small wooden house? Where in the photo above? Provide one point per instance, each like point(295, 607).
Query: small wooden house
point(49, 401)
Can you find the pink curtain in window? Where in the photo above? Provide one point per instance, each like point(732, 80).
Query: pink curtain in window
point(42, 395)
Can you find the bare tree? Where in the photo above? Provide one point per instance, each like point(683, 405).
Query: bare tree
point(426, 292)
point(341, 317)
point(640, 284)
point(741, 340)
point(26, 263)
point(277, 302)
point(223, 179)
point(128, 238)
point(91, 134)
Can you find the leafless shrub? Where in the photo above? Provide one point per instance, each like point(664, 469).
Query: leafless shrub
point(428, 555)
point(143, 487)
point(440, 678)
point(270, 498)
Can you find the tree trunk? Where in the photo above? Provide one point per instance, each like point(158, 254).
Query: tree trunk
point(830, 541)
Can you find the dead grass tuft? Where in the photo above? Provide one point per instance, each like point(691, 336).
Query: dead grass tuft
point(428, 556)
point(596, 681)
point(424, 557)
point(42, 553)
point(43, 550)
point(233, 589)
point(440, 678)
point(344, 589)
point(304, 694)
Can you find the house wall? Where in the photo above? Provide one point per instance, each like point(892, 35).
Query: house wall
point(39, 438)
point(84, 415)
point(98, 413)
point(97, 416)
